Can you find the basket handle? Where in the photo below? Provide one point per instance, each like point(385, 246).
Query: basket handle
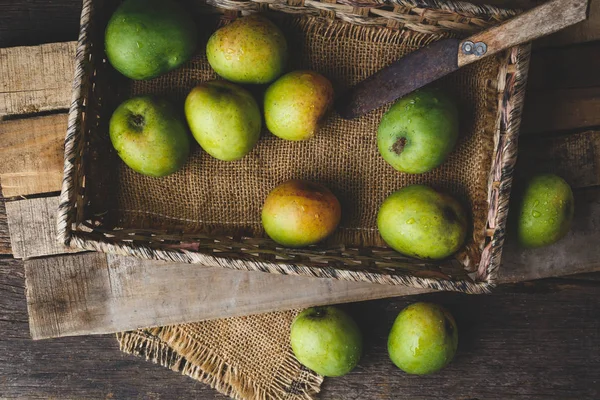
point(539, 21)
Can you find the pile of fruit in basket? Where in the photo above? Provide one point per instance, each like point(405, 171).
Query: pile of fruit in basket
point(147, 38)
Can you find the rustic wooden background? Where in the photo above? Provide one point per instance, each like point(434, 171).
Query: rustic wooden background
point(533, 340)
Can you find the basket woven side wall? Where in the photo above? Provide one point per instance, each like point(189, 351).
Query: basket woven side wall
point(80, 225)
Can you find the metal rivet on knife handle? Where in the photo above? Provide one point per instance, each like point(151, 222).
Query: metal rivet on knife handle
point(477, 49)
point(543, 20)
point(440, 58)
point(480, 49)
point(467, 47)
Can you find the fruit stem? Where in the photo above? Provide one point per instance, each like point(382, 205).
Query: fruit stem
point(320, 312)
point(398, 145)
point(137, 121)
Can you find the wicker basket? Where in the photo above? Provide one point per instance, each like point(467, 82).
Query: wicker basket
point(85, 224)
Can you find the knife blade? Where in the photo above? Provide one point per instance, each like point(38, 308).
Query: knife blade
point(440, 58)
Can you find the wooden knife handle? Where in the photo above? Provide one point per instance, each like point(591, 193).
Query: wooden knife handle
point(539, 21)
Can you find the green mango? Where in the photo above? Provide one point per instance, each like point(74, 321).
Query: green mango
point(224, 119)
point(420, 222)
point(326, 340)
point(546, 211)
point(423, 339)
point(419, 131)
point(249, 50)
point(149, 136)
point(147, 38)
point(296, 103)
point(299, 213)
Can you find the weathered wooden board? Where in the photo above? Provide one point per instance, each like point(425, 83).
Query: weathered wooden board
point(83, 294)
point(539, 341)
point(31, 151)
point(32, 22)
point(36, 78)
point(569, 67)
point(560, 110)
point(5, 247)
point(32, 227)
point(586, 31)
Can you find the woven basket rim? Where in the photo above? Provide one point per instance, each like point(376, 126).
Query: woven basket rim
point(504, 158)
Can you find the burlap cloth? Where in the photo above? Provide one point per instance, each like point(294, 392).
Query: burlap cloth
point(243, 357)
point(225, 198)
point(250, 357)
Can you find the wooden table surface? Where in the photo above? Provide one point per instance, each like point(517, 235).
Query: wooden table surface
point(536, 340)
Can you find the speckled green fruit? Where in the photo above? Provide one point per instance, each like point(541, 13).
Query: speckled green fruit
point(326, 340)
point(146, 38)
point(224, 119)
point(421, 222)
point(296, 103)
point(423, 339)
point(149, 136)
point(419, 131)
point(546, 211)
point(249, 50)
point(298, 213)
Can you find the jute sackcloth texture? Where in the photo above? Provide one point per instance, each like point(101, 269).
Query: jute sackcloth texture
point(243, 357)
point(218, 197)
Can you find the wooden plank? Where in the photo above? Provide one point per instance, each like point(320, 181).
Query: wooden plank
point(31, 151)
point(36, 78)
point(31, 22)
point(516, 346)
point(561, 110)
point(538, 341)
point(5, 247)
point(575, 157)
point(82, 294)
point(32, 227)
point(565, 67)
point(585, 31)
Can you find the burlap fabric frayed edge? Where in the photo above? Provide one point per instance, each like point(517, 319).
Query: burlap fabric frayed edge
point(170, 348)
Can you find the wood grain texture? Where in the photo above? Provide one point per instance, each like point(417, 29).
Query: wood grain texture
point(36, 78)
point(571, 67)
point(586, 31)
point(511, 346)
point(543, 20)
point(561, 110)
point(32, 22)
point(32, 227)
point(82, 294)
point(31, 151)
point(536, 341)
point(5, 247)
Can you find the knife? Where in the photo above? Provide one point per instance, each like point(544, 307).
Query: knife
point(447, 55)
